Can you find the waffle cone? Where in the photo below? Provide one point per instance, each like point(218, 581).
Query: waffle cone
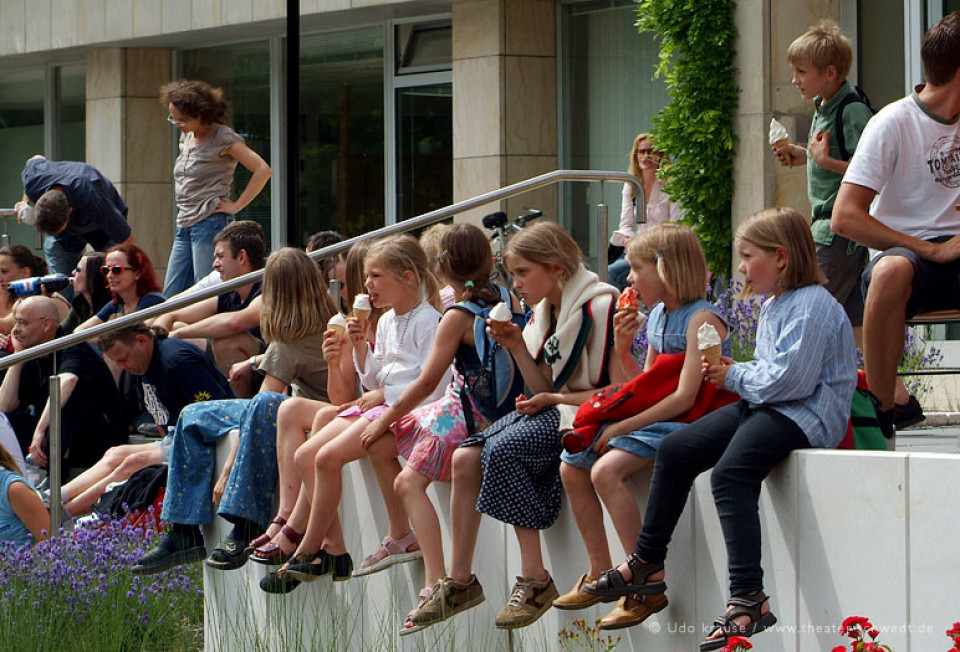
point(782, 143)
point(712, 354)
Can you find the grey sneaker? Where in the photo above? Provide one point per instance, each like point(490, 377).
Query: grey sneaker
point(449, 597)
point(528, 601)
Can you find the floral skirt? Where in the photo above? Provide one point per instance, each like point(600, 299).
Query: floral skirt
point(427, 437)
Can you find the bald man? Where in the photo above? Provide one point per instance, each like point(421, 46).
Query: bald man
point(92, 413)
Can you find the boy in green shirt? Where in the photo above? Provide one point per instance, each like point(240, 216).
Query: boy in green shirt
point(821, 59)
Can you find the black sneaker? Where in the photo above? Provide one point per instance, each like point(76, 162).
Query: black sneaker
point(885, 421)
point(173, 550)
point(908, 414)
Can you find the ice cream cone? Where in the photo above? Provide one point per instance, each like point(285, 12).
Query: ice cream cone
point(360, 315)
point(783, 142)
point(712, 354)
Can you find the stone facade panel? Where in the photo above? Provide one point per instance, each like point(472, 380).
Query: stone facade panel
point(477, 29)
point(530, 89)
point(477, 108)
point(119, 19)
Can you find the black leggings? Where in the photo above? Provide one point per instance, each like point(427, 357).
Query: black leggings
point(742, 445)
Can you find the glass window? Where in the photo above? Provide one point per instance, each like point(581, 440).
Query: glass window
point(424, 149)
point(243, 72)
point(341, 132)
point(608, 96)
point(70, 132)
point(423, 47)
point(880, 56)
point(21, 136)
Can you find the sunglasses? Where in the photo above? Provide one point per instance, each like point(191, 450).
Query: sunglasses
point(175, 122)
point(113, 269)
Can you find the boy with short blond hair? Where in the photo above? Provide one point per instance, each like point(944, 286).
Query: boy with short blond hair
point(821, 59)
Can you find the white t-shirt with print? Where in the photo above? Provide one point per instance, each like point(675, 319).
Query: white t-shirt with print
point(911, 158)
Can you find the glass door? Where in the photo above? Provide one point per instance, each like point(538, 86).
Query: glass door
point(424, 149)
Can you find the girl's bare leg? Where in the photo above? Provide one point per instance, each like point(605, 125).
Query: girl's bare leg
point(464, 517)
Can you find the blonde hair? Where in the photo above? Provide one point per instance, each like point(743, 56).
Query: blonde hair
point(773, 228)
point(402, 253)
point(7, 461)
point(634, 167)
point(676, 252)
point(821, 46)
point(430, 241)
point(295, 300)
point(547, 244)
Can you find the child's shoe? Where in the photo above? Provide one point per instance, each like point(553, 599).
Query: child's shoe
point(633, 610)
point(577, 598)
point(449, 597)
point(528, 601)
point(391, 552)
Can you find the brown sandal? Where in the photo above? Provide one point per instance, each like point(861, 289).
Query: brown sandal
point(264, 538)
point(271, 553)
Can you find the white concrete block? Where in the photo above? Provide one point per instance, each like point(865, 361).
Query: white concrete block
point(851, 543)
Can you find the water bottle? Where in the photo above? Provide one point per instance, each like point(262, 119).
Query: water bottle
point(27, 287)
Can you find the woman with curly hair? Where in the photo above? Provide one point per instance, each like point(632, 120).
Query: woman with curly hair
point(203, 176)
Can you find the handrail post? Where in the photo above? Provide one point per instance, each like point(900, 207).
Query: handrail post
point(53, 459)
point(602, 227)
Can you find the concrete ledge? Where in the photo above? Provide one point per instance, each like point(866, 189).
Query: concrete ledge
point(936, 419)
point(845, 533)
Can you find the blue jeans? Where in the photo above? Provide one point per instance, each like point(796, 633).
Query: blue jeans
point(742, 445)
point(617, 273)
point(191, 257)
point(252, 483)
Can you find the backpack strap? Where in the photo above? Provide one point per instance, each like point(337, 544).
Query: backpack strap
point(849, 98)
point(465, 403)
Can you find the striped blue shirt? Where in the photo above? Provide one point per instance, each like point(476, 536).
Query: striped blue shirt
point(805, 366)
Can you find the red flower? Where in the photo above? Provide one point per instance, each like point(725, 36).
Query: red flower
point(839, 648)
point(871, 647)
point(874, 633)
point(737, 643)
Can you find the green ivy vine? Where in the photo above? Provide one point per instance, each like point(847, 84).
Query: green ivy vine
point(696, 127)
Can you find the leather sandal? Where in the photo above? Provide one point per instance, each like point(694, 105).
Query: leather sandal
point(611, 582)
point(624, 615)
point(740, 605)
point(264, 538)
point(271, 553)
point(391, 552)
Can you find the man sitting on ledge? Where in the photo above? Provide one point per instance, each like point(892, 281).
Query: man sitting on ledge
point(900, 196)
point(231, 321)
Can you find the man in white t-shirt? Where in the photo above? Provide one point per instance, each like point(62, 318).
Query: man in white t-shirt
point(899, 197)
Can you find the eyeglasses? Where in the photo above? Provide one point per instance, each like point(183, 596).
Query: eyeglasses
point(174, 121)
point(106, 270)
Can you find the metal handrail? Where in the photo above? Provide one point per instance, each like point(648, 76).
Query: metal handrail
point(426, 219)
point(176, 303)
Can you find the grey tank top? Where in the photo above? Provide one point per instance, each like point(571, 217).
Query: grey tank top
point(202, 175)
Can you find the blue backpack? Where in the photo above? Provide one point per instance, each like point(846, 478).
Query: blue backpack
point(493, 380)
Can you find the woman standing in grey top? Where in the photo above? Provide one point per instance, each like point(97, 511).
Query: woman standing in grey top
point(202, 177)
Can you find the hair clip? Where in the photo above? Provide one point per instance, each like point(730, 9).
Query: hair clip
point(469, 284)
point(442, 258)
point(657, 256)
